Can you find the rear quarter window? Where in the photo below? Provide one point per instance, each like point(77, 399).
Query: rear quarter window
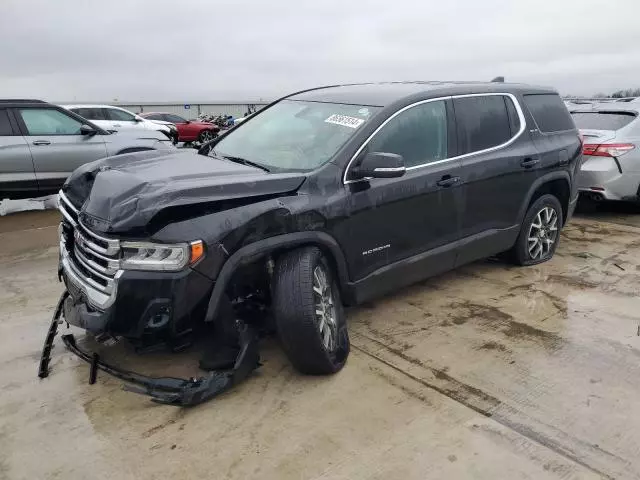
point(602, 120)
point(549, 112)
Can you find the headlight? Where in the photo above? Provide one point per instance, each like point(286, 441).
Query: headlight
point(159, 256)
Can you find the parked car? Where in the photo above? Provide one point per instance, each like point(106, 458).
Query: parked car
point(112, 118)
point(330, 196)
point(611, 166)
point(188, 130)
point(41, 144)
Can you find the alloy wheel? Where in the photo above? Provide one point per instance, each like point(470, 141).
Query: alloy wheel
point(543, 233)
point(325, 310)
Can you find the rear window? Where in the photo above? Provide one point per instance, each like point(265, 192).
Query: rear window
point(602, 120)
point(549, 112)
point(483, 122)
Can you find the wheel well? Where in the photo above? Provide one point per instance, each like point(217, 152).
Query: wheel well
point(133, 150)
point(558, 188)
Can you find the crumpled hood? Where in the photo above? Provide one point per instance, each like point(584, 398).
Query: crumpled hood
point(123, 193)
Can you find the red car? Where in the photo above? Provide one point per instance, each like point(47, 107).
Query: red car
point(188, 130)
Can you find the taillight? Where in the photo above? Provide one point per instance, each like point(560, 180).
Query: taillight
point(607, 149)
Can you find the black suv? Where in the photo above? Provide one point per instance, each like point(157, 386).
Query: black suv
point(325, 198)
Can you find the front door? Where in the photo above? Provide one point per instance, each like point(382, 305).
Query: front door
point(121, 119)
point(57, 146)
point(17, 176)
point(402, 229)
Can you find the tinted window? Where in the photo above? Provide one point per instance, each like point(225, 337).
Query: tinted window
point(418, 134)
point(174, 118)
point(483, 122)
point(119, 115)
point(602, 120)
point(90, 113)
point(5, 126)
point(47, 121)
point(549, 112)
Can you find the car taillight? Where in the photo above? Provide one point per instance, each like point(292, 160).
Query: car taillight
point(607, 150)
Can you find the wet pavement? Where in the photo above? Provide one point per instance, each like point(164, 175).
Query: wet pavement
point(486, 372)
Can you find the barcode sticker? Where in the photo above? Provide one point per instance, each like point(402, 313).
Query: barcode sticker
point(345, 121)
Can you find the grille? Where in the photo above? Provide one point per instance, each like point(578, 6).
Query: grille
point(94, 257)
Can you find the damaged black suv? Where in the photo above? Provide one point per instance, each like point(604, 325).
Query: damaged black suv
point(325, 198)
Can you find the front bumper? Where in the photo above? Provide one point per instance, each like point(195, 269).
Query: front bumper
point(141, 303)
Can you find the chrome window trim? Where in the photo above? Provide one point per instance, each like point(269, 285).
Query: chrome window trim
point(523, 126)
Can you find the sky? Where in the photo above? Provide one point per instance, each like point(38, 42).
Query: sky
point(241, 50)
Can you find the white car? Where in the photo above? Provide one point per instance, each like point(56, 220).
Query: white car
point(113, 118)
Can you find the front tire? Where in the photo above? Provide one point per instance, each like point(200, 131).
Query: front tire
point(540, 232)
point(308, 311)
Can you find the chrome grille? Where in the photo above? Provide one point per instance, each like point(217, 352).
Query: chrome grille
point(93, 257)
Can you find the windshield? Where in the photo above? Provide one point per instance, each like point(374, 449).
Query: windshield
point(293, 135)
point(602, 120)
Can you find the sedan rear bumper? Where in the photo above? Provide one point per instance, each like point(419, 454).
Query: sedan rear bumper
point(603, 176)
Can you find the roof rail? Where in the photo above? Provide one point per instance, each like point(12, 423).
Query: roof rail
point(20, 100)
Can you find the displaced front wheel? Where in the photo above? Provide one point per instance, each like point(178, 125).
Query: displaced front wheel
point(308, 311)
point(540, 232)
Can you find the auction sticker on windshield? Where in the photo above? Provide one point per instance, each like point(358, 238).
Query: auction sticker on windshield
point(345, 121)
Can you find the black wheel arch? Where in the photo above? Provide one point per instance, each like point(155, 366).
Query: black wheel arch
point(278, 245)
point(554, 183)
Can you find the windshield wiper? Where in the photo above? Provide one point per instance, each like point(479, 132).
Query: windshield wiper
point(242, 161)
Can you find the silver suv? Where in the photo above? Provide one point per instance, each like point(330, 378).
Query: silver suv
point(41, 144)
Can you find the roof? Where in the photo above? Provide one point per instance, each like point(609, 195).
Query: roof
point(90, 106)
point(385, 93)
point(609, 107)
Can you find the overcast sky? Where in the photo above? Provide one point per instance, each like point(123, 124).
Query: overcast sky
point(157, 50)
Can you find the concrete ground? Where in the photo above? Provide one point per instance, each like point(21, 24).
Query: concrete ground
point(487, 372)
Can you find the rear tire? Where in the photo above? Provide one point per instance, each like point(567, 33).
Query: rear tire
point(206, 136)
point(540, 232)
point(308, 310)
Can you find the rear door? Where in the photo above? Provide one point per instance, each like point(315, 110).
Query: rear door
point(17, 175)
point(57, 146)
point(500, 164)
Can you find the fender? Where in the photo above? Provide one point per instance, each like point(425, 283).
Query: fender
point(254, 251)
point(562, 175)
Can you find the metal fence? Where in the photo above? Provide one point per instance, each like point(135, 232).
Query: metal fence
point(192, 110)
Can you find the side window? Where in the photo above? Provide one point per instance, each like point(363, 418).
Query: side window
point(119, 115)
point(174, 119)
point(154, 116)
point(419, 134)
point(90, 113)
point(549, 112)
point(5, 125)
point(483, 122)
point(48, 121)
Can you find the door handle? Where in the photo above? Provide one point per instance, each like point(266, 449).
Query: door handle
point(42, 142)
point(529, 162)
point(447, 181)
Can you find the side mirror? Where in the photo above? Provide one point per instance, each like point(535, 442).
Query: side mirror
point(138, 119)
point(381, 165)
point(87, 130)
